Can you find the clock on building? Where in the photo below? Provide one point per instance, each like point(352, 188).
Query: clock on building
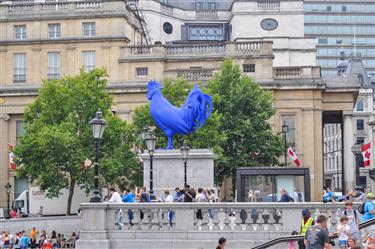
point(269, 24)
point(167, 27)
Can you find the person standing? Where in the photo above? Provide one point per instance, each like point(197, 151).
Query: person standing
point(200, 197)
point(306, 222)
point(24, 241)
point(343, 230)
point(116, 198)
point(179, 195)
point(33, 234)
point(129, 197)
point(17, 241)
point(284, 197)
point(369, 213)
point(316, 236)
point(353, 220)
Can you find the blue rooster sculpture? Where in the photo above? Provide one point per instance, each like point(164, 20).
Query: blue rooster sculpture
point(184, 120)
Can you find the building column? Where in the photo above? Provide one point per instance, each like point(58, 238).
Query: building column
point(4, 122)
point(349, 163)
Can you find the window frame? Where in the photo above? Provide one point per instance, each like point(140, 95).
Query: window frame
point(360, 125)
point(56, 30)
point(248, 68)
point(141, 71)
point(53, 71)
point(88, 67)
point(19, 77)
point(22, 34)
point(87, 27)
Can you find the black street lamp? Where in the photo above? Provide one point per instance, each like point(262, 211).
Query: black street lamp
point(98, 126)
point(8, 188)
point(284, 130)
point(150, 140)
point(185, 157)
point(357, 151)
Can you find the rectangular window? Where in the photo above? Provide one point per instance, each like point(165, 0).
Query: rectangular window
point(20, 32)
point(141, 71)
point(329, 8)
point(54, 30)
point(19, 130)
point(248, 68)
point(53, 65)
point(343, 8)
point(322, 41)
point(89, 29)
point(88, 60)
point(19, 67)
point(290, 121)
point(360, 125)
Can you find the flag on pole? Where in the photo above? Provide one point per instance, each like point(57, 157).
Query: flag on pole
point(366, 153)
point(12, 164)
point(294, 157)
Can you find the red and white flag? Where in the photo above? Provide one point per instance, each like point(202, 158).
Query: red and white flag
point(366, 153)
point(294, 157)
point(12, 164)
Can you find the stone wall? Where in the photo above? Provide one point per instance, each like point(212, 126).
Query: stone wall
point(61, 224)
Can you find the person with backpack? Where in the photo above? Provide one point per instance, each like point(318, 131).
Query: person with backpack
point(353, 220)
point(284, 197)
point(368, 213)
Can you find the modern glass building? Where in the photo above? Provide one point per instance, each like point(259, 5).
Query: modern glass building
point(341, 28)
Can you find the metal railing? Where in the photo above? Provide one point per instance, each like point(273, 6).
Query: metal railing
point(300, 237)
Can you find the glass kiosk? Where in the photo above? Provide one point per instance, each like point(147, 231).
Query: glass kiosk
point(263, 184)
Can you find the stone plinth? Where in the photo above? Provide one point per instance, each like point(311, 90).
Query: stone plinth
point(168, 169)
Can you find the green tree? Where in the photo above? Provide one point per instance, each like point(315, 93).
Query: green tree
point(58, 137)
point(176, 92)
point(245, 110)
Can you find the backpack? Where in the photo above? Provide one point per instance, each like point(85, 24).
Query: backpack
point(361, 208)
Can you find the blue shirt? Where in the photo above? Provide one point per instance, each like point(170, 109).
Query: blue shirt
point(24, 241)
point(369, 206)
point(328, 196)
point(128, 198)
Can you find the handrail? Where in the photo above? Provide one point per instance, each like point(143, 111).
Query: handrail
point(299, 237)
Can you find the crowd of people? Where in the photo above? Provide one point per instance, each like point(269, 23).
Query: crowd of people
point(318, 236)
point(186, 194)
point(37, 239)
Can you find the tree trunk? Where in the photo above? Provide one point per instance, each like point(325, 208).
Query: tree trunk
point(70, 197)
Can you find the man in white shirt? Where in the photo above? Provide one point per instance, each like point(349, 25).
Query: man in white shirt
point(116, 198)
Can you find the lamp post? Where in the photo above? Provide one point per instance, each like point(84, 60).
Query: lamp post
point(8, 188)
point(150, 140)
point(284, 130)
point(356, 150)
point(185, 157)
point(98, 126)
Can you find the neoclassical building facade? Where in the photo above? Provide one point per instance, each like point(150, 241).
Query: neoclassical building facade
point(42, 40)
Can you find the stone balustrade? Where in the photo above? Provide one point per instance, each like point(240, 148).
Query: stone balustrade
point(61, 7)
point(199, 74)
point(246, 223)
point(176, 51)
point(296, 72)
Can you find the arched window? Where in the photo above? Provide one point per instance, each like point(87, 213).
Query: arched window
point(360, 105)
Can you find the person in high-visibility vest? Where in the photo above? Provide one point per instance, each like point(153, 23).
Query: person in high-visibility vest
point(306, 222)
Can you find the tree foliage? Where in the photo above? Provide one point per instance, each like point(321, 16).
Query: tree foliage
point(58, 137)
point(245, 110)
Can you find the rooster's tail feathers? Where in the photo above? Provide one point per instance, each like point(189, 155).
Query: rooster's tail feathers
point(200, 105)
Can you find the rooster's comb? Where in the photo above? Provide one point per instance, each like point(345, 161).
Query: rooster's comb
point(153, 84)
